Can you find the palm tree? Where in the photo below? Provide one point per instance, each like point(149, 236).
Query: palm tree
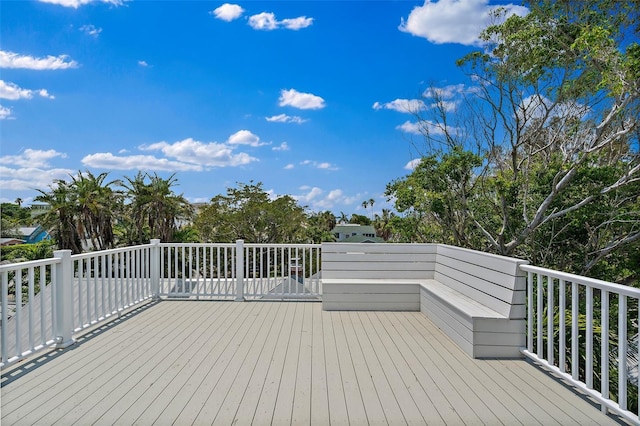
point(19, 201)
point(382, 224)
point(371, 203)
point(154, 207)
point(59, 220)
point(98, 205)
point(343, 218)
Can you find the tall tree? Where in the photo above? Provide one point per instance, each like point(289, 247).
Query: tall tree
point(155, 210)
point(247, 212)
point(554, 99)
point(97, 206)
point(60, 219)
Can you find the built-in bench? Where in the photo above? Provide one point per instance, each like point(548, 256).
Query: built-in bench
point(477, 299)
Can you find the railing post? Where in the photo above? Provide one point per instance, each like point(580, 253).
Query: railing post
point(64, 302)
point(239, 271)
point(155, 268)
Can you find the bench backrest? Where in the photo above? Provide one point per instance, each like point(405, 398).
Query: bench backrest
point(495, 281)
point(378, 260)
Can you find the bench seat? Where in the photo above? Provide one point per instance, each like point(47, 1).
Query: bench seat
point(370, 294)
point(480, 331)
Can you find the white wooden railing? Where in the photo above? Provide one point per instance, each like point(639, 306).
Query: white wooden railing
point(580, 328)
point(240, 271)
point(45, 302)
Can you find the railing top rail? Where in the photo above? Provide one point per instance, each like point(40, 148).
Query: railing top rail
point(298, 245)
point(110, 251)
point(197, 244)
point(589, 282)
point(29, 264)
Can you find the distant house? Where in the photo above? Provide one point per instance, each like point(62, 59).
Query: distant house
point(33, 234)
point(9, 241)
point(355, 233)
point(38, 209)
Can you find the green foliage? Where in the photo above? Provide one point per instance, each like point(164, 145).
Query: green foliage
point(359, 219)
point(152, 209)
point(247, 212)
point(26, 252)
point(540, 160)
point(441, 188)
point(319, 226)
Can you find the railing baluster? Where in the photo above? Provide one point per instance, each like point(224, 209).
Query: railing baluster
point(80, 275)
point(550, 318)
point(589, 338)
point(18, 287)
point(122, 279)
point(604, 349)
point(574, 331)
point(54, 299)
point(87, 284)
point(539, 322)
point(31, 292)
point(562, 329)
point(622, 351)
point(103, 266)
point(197, 273)
point(5, 316)
point(43, 292)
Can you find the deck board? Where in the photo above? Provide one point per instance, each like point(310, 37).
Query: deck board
point(188, 362)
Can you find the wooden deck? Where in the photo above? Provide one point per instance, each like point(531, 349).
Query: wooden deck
point(188, 362)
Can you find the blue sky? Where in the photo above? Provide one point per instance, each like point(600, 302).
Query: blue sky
point(310, 98)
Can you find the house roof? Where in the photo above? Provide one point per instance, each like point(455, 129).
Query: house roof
point(10, 241)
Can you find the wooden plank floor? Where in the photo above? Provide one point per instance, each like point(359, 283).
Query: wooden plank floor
point(187, 362)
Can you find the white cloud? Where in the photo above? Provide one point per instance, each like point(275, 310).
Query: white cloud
point(319, 165)
point(13, 92)
point(263, 21)
point(91, 30)
point(5, 113)
point(184, 155)
point(282, 147)
point(289, 167)
point(447, 92)
point(30, 170)
point(448, 106)
point(212, 154)
point(411, 165)
point(77, 3)
point(28, 178)
point(422, 127)
point(143, 63)
point(312, 194)
point(245, 137)
point(453, 21)
point(408, 106)
point(284, 118)
point(228, 12)
point(106, 160)
point(267, 21)
point(297, 23)
point(300, 100)
point(14, 60)
point(35, 158)
point(319, 199)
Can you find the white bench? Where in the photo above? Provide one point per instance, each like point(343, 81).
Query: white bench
point(477, 299)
